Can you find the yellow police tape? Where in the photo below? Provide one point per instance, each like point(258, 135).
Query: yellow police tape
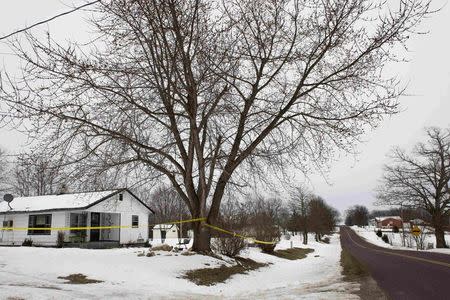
point(238, 235)
point(130, 226)
point(96, 227)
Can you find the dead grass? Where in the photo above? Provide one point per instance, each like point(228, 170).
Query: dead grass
point(352, 269)
point(293, 253)
point(212, 276)
point(78, 279)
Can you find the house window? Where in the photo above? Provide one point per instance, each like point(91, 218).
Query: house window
point(134, 221)
point(120, 197)
point(78, 220)
point(8, 224)
point(39, 221)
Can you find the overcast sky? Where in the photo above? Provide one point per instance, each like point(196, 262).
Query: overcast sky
point(351, 179)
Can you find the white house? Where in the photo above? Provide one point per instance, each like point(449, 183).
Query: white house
point(161, 232)
point(91, 209)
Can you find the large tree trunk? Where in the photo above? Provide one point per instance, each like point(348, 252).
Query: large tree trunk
point(439, 231)
point(440, 237)
point(305, 237)
point(202, 239)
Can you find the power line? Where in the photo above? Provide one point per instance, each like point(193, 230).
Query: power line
point(49, 19)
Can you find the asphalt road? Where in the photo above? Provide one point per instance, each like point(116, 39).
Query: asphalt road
point(402, 274)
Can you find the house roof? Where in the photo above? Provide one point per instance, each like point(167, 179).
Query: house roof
point(388, 217)
point(60, 202)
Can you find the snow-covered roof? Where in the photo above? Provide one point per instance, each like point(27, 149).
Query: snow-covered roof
point(388, 217)
point(56, 202)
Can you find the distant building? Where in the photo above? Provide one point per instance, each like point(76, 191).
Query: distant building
point(161, 232)
point(389, 222)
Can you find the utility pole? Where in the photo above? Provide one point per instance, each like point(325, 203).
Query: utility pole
point(180, 239)
point(403, 225)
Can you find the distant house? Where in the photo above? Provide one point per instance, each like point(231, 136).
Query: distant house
point(161, 232)
point(91, 209)
point(389, 222)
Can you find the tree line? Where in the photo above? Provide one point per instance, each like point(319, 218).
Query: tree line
point(309, 213)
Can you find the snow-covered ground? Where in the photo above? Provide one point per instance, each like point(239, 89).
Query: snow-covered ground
point(31, 273)
point(395, 239)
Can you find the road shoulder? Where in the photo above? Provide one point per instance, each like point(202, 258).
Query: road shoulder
point(355, 271)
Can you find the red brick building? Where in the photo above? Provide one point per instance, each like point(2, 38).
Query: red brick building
point(389, 222)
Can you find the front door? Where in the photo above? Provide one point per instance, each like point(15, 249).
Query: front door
point(163, 236)
point(95, 222)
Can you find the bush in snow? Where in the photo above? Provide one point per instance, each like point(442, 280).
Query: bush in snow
point(263, 220)
point(27, 242)
point(229, 246)
point(234, 217)
point(379, 233)
point(60, 239)
point(163, 247)
point(385, 239)
point(267, 232)
point(267, 248)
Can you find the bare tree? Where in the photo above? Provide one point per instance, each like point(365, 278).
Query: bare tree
point(299, 205)
point(35, 175)
point(322, 217)
point(167, 205)
point(421, 179)
point(264, 220)
point(203, 91)
point(5, 181)
point(357, 215)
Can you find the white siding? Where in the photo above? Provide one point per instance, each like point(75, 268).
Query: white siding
point(128, 207)
point(17, 237)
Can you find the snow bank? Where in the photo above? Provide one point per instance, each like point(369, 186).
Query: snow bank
point(31, 273)
point(368, 233)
